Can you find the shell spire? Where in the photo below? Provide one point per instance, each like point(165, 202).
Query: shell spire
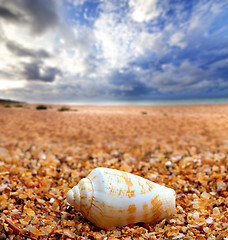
point(80, 196)
point(110, 198)
point(73, 197)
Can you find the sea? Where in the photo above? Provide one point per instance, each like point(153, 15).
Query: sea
point(171, 102)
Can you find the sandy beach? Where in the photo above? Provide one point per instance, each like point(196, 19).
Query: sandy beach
point(103, 124)
point(44, 153)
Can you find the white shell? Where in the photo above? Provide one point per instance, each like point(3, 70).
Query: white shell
point(110, 198)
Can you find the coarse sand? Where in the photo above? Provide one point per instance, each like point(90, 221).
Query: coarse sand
point(44, 153)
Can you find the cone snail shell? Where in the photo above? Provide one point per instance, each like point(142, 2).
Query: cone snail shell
point(110, 198)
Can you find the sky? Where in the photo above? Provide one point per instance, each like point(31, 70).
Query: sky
point(76, 50)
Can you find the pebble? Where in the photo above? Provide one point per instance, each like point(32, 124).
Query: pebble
point(216, 211)
point(209, 220)
point(195, 215)
point(168, 164)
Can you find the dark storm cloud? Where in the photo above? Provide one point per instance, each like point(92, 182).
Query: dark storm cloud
point(129, 84)
point(21, 51)
point(9, 15)
point(43, 14)
point(39, 15)
point(38, 72)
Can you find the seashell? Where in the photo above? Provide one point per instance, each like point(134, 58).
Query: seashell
point(110, 198)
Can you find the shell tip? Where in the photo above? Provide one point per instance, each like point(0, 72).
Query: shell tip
point(73, 197)
point(70, 197)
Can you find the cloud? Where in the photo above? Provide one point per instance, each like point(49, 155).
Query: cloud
point(43, 14)
point(38, 15)
point(21, 51)
point(9, 15)
point(76, 2)
point(6, 84)
point(127, 84)
point(144, 11)
point(177, 39)
point(38, 72)
point(185, 77)
point(113, 38)
point(148, 43)
point(113, 49)
point(168, 79)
